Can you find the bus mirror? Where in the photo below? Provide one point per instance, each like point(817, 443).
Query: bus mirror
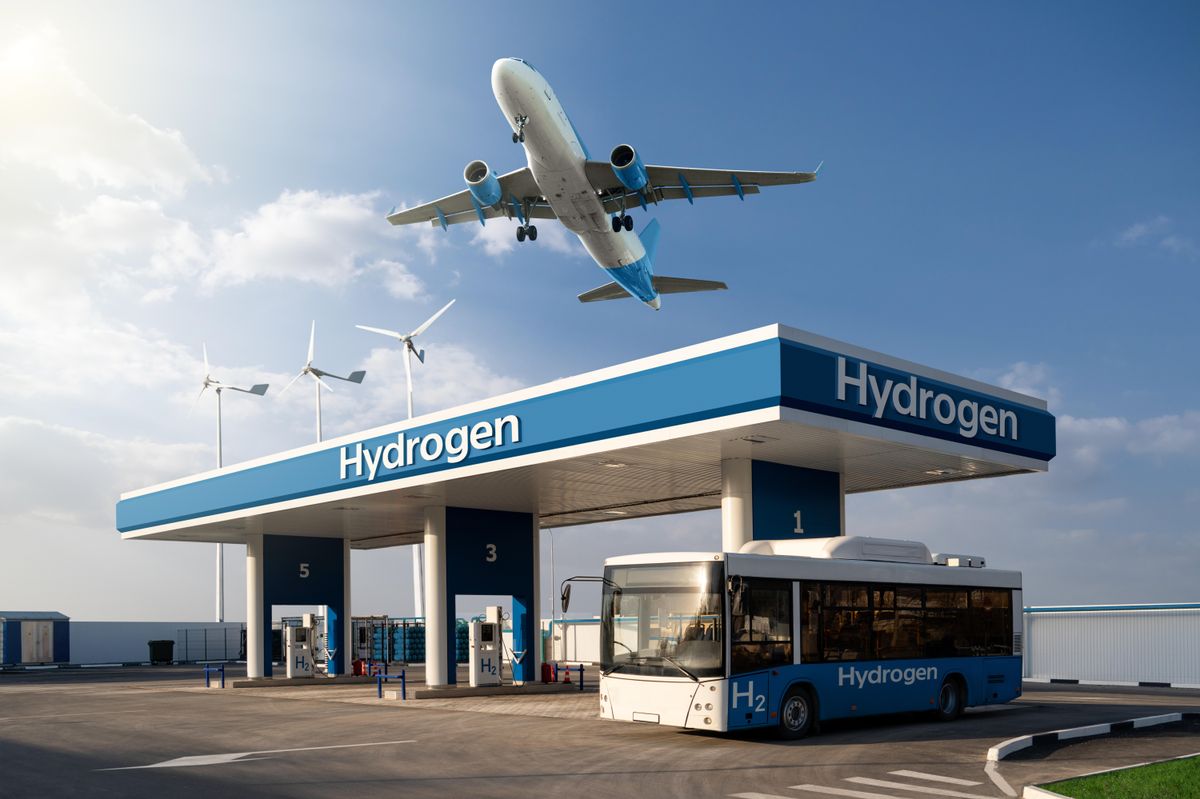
point(566, 597)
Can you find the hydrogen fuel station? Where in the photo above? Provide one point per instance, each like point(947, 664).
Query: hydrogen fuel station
point(774, 426)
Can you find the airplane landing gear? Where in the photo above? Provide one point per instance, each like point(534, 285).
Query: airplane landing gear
point(527, 232)
point(625, 221)
point(519, 133)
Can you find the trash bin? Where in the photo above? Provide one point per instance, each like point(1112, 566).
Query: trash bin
point(161, 652)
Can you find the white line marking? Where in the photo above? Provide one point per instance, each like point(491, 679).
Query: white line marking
point(920, 775)
point(759, 796)
point(64, 715)
point(243, 757)
point(918, 788)
point(993, 773)
point(844, 792)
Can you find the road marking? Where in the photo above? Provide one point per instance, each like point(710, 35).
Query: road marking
point(64, 715)
point(920, 775)
point(844, 792)
point(994, 775)
point(917, 788)
point(243, 757)
point(759, 796)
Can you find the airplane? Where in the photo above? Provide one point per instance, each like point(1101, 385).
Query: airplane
point(591, 198)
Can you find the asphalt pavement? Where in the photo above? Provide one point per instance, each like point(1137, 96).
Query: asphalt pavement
point(159, 733)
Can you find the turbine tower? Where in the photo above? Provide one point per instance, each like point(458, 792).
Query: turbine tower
point(257, 389)
point(410, 349)
point(316, 374)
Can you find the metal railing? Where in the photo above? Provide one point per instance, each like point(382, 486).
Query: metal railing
point(199, 645)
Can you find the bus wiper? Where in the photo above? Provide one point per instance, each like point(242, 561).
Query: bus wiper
point(679, 666)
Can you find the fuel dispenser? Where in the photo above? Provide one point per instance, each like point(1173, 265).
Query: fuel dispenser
point(485, 646)
point(298, 645)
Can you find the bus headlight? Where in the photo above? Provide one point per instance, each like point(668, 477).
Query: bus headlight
point(708, 719)
point(706, 707)
point(698, 706)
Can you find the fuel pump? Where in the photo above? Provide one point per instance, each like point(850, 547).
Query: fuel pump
point(298, 644)
point(485, 644)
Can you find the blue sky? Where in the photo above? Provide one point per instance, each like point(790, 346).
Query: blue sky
point(1009, 192)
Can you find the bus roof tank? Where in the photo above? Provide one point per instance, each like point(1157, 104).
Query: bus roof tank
point(888, 550)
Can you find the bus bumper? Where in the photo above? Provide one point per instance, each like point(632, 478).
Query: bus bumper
point(664, 701)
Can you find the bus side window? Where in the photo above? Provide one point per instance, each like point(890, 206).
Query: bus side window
point(810, 623)
point(762, 626)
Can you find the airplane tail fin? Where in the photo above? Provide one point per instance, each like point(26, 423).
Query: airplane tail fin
point(662, 285)
point(684, 285)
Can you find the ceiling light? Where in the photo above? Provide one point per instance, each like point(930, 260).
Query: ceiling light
point(942, 472)
point(613, 464)
point(757, 439)
point(616, 513)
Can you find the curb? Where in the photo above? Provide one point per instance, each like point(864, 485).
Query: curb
point(1006, 748)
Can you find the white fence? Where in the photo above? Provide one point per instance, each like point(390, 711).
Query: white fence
point(126, 641)
point(1114, 643)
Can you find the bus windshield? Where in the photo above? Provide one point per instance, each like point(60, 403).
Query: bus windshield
point(663, 620)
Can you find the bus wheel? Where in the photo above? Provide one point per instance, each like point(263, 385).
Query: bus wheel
point(950, 701)
point(796, 714)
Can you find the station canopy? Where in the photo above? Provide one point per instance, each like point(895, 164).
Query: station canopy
point(642, 438)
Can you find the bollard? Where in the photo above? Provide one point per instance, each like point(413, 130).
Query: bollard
point(403, 686)
point(556, 672)
point(581, 676)
point(379, 686)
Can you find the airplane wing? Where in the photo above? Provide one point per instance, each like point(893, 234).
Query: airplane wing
point(685, 183)
point(519, 189)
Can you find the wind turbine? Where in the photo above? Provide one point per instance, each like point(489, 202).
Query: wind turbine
point(257, 389)
point(316, 374)
point(410, 349)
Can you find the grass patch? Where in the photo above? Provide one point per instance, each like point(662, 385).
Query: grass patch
point(1178, 779)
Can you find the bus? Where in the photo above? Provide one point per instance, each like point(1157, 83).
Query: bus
point(787, 634)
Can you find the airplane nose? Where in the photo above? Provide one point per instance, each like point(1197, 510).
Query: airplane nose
point(503, 71)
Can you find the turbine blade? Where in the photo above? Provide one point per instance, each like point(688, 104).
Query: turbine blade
point(353, 377)
point(258, 389)
point(204, 349)
point(431, 319)
point(312, 342)
point(289, 385)
point(381, 331)
point(319, 380)
point(196, 401)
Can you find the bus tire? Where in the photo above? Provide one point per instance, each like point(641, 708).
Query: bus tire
point(797, 714)
point(950, 700)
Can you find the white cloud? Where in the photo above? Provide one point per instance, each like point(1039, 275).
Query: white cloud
point(1179, 245)
point(1175, 434)
point(451, 375)
point(397, 280)
point(135, 236)
point(326, 239)
point(1160, 231)
point(1140, 230)
point(499, 237)
point(51, 120)
point(1032, 379)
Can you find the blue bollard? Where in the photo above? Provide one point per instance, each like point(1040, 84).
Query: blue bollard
point(403, 686)
point(581, 676)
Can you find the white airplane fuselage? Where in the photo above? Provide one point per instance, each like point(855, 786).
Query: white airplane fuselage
point(556, 157)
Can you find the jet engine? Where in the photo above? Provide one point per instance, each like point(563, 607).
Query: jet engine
point(628, 167)
point(482, 183)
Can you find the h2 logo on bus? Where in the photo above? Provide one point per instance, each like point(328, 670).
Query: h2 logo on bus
point(755, 703)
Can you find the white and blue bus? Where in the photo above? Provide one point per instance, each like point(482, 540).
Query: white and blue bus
point(786, 634)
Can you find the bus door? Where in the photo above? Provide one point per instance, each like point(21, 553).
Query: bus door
point(761, 649)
